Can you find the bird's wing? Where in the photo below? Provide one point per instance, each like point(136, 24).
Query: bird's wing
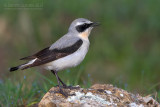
point(63, 42)
point(35, 55)
point(47, 55)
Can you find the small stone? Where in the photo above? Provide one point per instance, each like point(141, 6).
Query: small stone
point(108, 92)
point(121, 95)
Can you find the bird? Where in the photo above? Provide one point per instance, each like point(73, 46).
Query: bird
point(67, 52)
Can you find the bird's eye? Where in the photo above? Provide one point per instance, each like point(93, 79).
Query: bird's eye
point(82, 27)
point(86, 25)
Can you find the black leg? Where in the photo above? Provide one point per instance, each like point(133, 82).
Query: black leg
point(60, 90)
point(57, 79)
point(64, 85)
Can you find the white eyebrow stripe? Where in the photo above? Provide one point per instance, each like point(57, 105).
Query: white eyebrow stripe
point(79, 23)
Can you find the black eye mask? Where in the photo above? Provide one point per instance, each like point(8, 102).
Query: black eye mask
point(83, 27)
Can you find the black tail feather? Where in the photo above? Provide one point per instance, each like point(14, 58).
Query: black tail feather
point(14, 69)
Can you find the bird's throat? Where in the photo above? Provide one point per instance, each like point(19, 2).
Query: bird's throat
point(85, 35)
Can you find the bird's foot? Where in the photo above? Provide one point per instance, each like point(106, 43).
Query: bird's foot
point(71, 87)
point(63, 93)
point(64, 85)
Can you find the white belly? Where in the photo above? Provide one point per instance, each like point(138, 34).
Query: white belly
point(69, 61)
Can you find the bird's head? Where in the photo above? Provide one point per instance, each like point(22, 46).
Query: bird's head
point(83, 27)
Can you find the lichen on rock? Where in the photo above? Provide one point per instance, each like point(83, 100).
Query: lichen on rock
point(98, 95)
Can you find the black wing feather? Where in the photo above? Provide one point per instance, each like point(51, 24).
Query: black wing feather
point(45, 56)
point(40, 53)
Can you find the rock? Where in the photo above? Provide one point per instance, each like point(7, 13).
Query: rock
point(99, 95)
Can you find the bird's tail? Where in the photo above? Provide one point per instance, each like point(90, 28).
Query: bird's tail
point(14, 68)
point(23, 66)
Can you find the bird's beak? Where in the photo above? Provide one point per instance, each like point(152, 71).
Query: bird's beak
point(95, 24)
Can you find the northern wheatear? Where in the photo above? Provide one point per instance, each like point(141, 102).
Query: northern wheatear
point(69, 51)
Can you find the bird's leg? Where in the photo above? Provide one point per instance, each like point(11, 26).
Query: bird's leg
point(64, 85)
point(60, 90)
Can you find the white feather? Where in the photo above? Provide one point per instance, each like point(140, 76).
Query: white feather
point(69, 61)
point(30, 62)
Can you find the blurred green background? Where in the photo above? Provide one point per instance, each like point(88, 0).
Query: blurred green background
point(124, 50)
